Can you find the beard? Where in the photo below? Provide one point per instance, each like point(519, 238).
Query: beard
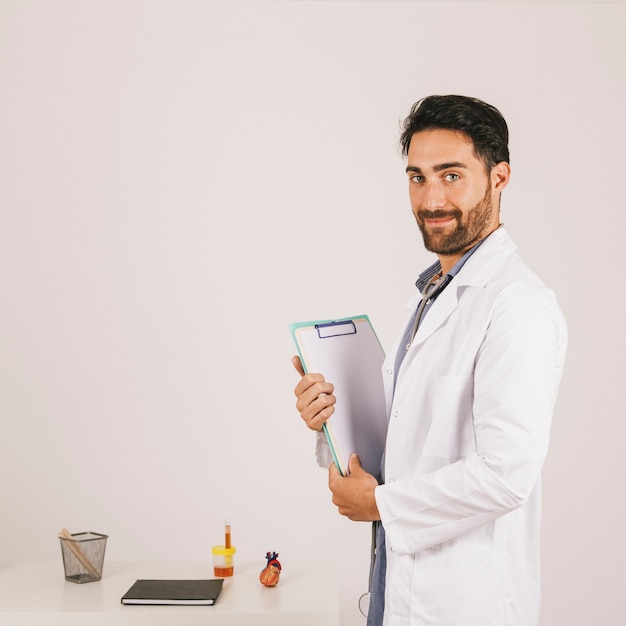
point(477, 225)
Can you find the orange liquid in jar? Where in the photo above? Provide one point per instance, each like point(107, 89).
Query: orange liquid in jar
point(223, 572)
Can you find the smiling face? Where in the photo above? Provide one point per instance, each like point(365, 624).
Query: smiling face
point(455, 201)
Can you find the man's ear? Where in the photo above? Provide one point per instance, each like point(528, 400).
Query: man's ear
point(500, 175)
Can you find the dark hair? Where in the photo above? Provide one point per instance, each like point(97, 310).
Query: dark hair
point(479, 121)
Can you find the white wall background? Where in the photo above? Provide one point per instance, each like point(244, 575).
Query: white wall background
point(179, 180)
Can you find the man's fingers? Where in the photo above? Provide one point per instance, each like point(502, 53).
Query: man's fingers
point(333, 475)
point(313, 385)
point(315, 410)
point(311, 403)
point(315, 397)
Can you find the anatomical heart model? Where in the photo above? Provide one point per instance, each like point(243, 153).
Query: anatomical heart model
point(271, 573)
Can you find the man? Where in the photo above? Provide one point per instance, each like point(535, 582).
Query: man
point(470, 386)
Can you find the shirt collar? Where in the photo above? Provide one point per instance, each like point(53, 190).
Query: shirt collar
point(425, 277)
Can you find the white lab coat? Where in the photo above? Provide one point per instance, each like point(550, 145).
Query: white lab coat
point(468, 432)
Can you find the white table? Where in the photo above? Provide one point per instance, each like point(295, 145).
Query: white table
point(37, 594)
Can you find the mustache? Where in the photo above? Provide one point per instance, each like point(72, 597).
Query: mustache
point(423, 214)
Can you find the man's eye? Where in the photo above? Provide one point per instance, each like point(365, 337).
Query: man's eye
point(451, 177)
point(416, 178)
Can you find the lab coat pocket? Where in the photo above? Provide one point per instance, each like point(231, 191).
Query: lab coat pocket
point(451, 433)
point(468, 586)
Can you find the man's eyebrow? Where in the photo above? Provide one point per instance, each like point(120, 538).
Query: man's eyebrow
point(412, 168)
point(447, 166)
point(437, 168)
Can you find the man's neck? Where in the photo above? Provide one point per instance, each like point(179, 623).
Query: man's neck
point(449, 261)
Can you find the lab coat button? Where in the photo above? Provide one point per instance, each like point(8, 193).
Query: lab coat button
point(389, 372)
point(396, 413)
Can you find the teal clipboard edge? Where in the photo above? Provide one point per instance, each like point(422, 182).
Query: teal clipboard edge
point(293, 327)
point(338, 464)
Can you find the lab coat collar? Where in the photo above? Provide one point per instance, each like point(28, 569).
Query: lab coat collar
point(475, 273)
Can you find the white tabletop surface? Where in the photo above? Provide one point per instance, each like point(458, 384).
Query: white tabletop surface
point(36, 593)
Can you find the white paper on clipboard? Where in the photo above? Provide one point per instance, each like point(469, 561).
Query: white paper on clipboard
point(348, 354)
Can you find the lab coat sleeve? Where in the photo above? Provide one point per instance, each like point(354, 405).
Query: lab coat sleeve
point(515, 380)
point(323, 455)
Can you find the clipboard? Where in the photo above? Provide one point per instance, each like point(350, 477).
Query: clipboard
point(349, 355)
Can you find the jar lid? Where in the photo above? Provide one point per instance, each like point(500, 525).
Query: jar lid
point(223, 551)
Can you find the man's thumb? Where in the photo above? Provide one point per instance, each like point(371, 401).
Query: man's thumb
point(354, 463)
point(297, 363)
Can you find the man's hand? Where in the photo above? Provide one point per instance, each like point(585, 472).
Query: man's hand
point(353, 495)
point(315, 400)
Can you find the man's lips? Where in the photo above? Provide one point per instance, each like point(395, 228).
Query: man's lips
point(437, 219)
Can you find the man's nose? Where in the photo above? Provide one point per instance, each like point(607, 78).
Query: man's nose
point(434, 196)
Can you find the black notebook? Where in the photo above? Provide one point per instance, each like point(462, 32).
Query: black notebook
point(147, 591)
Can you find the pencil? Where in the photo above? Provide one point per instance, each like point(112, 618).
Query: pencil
point(78, 553)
